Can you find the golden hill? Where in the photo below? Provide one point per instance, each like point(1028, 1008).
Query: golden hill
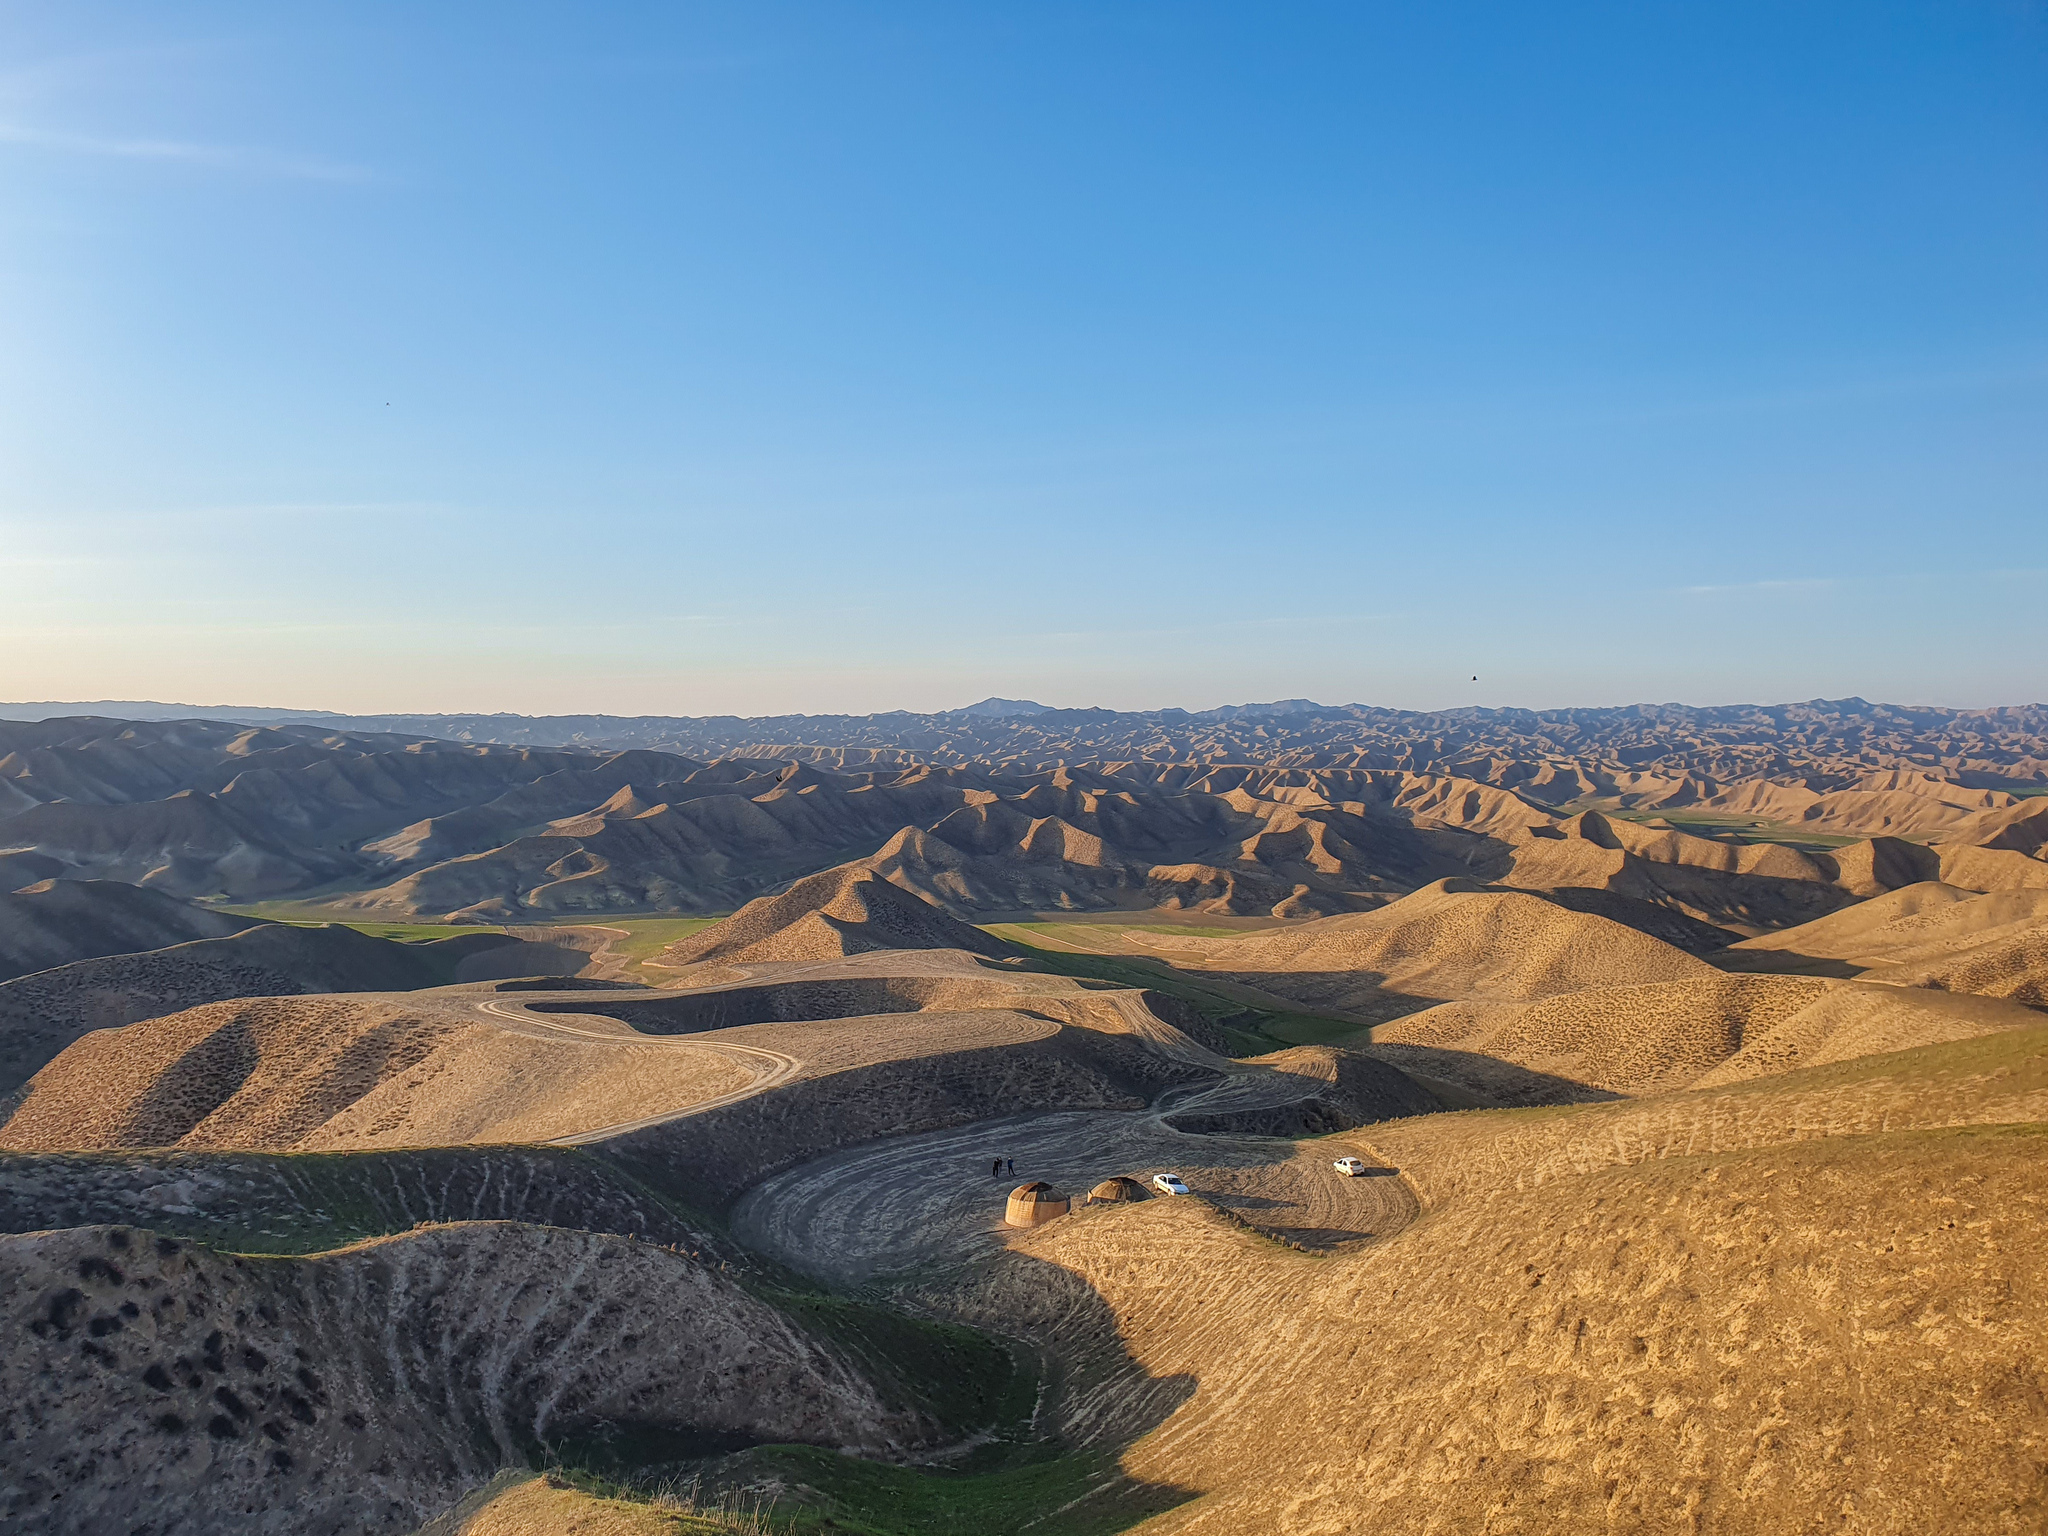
point(43, 1013)
point(1816, 1300)
point(2018, 826)
point(1449, 940)
point(1994, 944)
point(1895, 804)
point(347, 1072)
point(1923, 921)
point(844, 911)
point(1658, 1037)
point(1734, 888)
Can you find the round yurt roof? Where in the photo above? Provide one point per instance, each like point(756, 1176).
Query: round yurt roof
point(1035, 1191)
point(1118, 1188)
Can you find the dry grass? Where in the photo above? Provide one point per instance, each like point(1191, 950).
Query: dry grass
point(1761, 1311)
point(844, 911)
point(1449, 940)
point(340, 1072)
point(554, 1506)
point(1665, 1036)
point(363, 1389)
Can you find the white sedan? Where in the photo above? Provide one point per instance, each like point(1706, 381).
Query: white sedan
point(1169, 1184)
point(1350, 1167)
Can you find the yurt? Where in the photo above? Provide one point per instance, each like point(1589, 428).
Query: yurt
point(1033, 1203)
point(1118, 1188)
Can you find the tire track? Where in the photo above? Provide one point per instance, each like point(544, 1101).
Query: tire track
point(768, 1066)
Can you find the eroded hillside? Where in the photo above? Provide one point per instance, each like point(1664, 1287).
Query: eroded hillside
point(1694, 1174)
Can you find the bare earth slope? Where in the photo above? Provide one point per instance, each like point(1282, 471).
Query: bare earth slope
point(1661, 1036)
point(713, 1088)
point(350, 1071)
point(1713, 1311)
point(1736, 888)
point(1642, 750)
point(1450, 940)
point(149, 1384)
point(1925, 921)
point(41, 1014)
point(54, 922)
point(843, 911)
point(1290, 810)
point(1926, 935)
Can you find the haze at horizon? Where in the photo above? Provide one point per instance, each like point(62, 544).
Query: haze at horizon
point(696, 360)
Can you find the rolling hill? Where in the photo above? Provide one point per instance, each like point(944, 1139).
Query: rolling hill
point(43, 1013)
point(1451, 940)
point(54, 922)
point(1737, 1227)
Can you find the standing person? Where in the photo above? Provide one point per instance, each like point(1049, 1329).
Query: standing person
point(997, 1170)
point(1013, 1165)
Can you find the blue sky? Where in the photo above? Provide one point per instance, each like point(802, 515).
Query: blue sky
point(685, 359)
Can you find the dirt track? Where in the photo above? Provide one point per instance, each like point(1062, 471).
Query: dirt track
point(769, 1066)
point(892, 1207)
point(900, 1204)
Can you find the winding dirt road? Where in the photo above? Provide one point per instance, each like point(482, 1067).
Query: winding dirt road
point(889, 1208)
point(769, 1067)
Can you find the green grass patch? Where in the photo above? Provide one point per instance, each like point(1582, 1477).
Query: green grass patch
point(1089, 1493)
point(960, 1377)
point(1724, 826)
point(299, 915)
point(647, 937)
point(823, 1492)
point(1052, 928)
point(1250, 1029)
point(1312, 1029)
point(640, 939)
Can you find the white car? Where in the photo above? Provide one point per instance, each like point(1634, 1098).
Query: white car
point(1169, 1184)
point(1350, 1167)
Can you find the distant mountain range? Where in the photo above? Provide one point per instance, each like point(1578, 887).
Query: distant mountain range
point(1826, 743)
point(1244, 812)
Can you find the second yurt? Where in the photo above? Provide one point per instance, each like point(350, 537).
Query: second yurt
point(1118, 1188)
point(1033, 1203)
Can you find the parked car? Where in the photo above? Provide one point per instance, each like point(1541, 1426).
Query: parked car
point(1350, 1167)
point(1169, 1184)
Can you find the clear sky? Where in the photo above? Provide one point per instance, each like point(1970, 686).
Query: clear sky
point(682, 358)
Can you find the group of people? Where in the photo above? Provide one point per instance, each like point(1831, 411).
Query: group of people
point(1002, 1165)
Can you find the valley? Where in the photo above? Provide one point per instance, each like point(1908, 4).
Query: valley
point(441, 1135)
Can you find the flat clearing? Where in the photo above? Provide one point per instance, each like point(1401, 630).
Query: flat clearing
point(896, 1207)
point(1729, 826)
point(302, 915)
point(1255, 1021)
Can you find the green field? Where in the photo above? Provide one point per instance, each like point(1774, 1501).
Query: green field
point(646, 937)
point(300, 915)
point(1253, 1023)
point(642, 938)
point(1724, 827)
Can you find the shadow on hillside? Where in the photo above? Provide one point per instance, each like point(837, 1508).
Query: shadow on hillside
point(1097, 1399)
point(1678, 929)
point(1321, 1239)
point(271, 1202)
point(1356, 993)
point(1782, 962)
point(1500, 1083)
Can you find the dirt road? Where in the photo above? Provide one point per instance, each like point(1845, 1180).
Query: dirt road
point(892, 1207)
point(768, 1066)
